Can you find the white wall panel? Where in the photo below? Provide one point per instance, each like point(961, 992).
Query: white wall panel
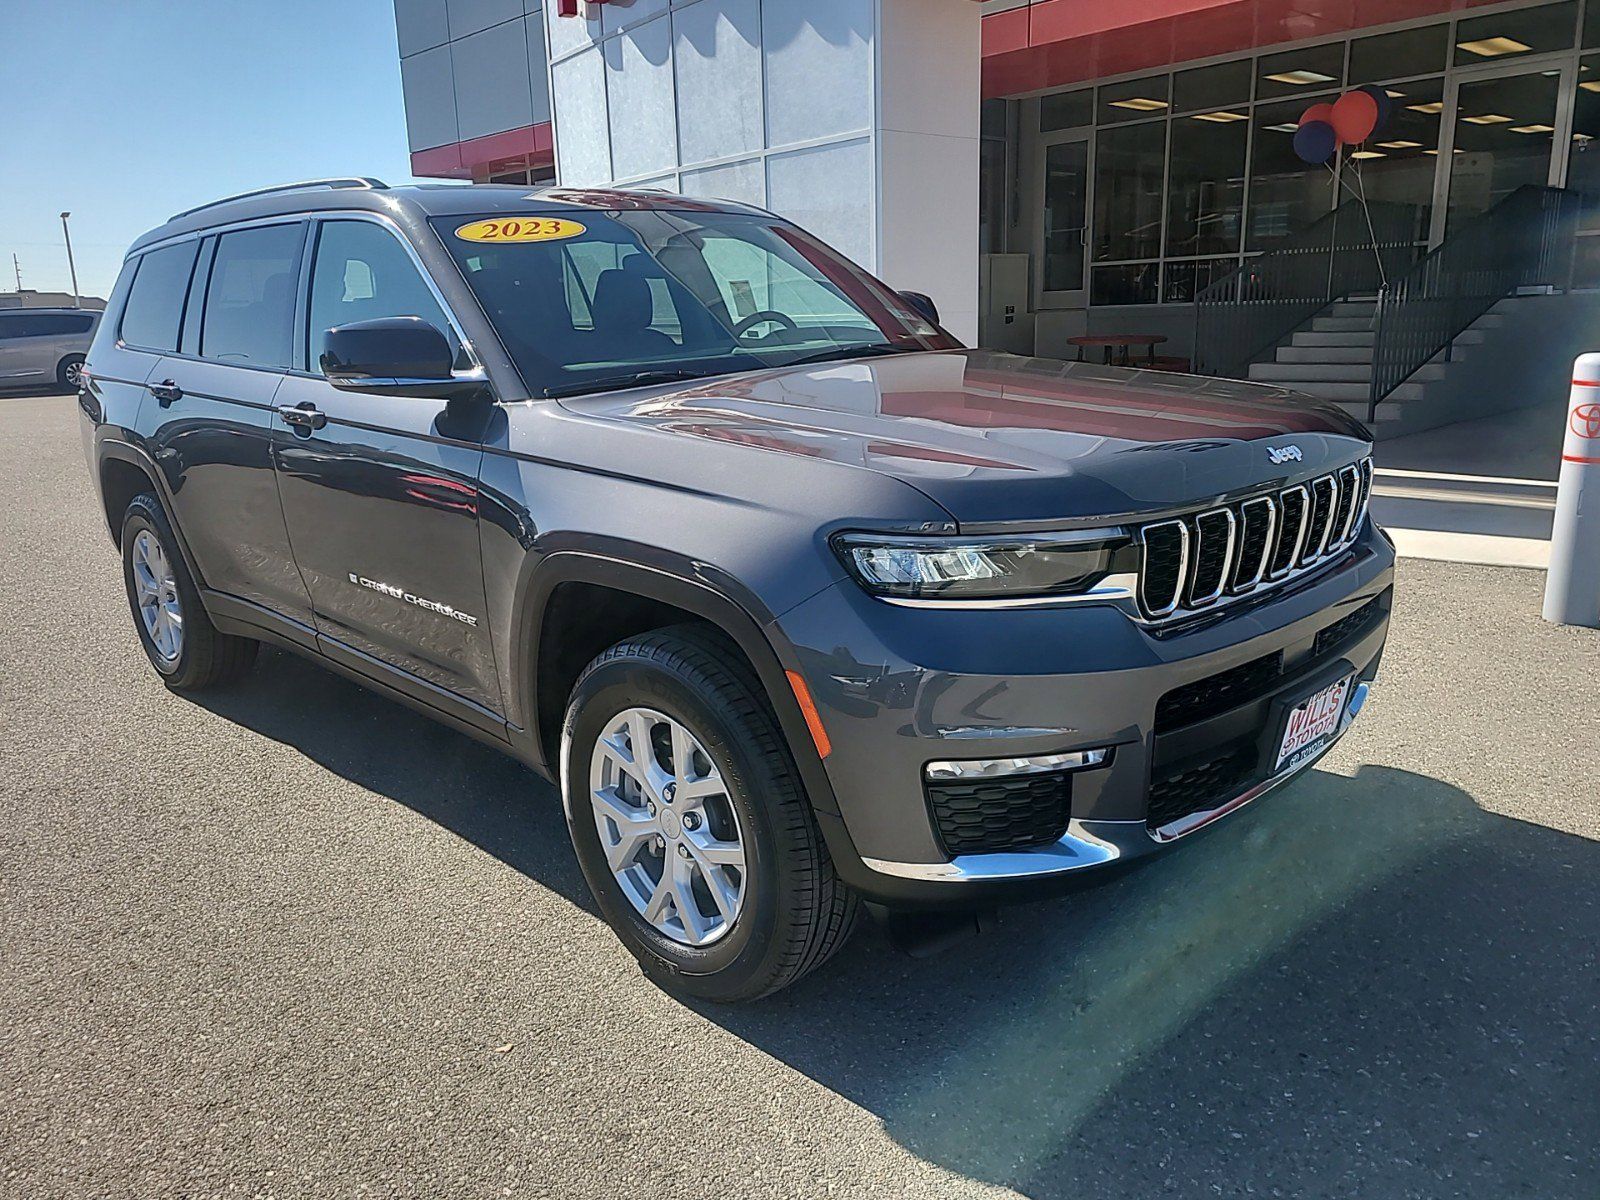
point(717, 45)
point(829, 191)
point(474, 16)
point(568, 34)
point(639, 83)
point(744, 181)
point(619, 14)
point(819, 68)
point(583, 141)
point(420, 25)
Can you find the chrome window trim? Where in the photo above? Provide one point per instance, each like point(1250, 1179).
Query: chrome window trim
point(1241, 587)
point(1184, 554)
point(1197, 601)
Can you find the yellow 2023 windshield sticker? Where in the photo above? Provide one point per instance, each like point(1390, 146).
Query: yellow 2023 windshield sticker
point(520, 229)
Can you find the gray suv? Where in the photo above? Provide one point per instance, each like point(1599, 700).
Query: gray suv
point(800, 602)
point(44, 345)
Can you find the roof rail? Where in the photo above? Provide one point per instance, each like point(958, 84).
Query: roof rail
point(350, 181)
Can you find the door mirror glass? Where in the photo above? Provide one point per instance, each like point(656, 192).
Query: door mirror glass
point(923, 304)
point(388, 354)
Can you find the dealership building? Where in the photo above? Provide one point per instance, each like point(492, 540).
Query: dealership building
point(1064, 170)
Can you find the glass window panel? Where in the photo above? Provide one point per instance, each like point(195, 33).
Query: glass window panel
point(250, 300)
point(1583, 168)
point(1504, 138)
point(1127, 191)
point(1399, 55)
point(1127, 283)
point(1405, 154)
point(992, 118)
point(1286, 195)
point(1300, 72)
point(1134, 99)
point(362, 273)
point(1212, 87)
point(1066, 110)
point(1186, 280)
point(1515, 34)
point(992, 193)
point(1591, 25)
point(1205, 182)
point(1066, 204)
point(155, 304)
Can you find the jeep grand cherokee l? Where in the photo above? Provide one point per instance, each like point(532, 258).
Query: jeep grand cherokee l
point(800, 602)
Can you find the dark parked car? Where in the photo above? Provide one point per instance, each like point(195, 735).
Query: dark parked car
point(799, 601)
point(44, 345)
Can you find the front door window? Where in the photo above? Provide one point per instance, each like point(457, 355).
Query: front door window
point(1066, 210)
point(1505, 131)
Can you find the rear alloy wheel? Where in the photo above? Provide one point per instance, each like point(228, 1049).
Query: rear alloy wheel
point(70, 373)
point(690, 822)
point(185, 648)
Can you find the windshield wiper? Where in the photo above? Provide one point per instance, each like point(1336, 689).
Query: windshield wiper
point(617, 383)
point(869, 350)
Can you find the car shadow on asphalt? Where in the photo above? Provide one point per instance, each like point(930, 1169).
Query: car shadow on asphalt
point(1361, 986)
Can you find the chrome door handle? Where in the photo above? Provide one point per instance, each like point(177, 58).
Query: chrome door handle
point(166, 392)
point(304, 416)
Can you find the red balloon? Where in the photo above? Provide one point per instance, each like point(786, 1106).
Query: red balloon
point(1317, 112)
point(1355, 116)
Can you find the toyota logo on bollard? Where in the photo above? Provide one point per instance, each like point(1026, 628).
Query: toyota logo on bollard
point(1586, 420)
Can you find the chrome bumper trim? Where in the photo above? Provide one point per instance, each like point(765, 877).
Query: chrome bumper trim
point(1089, 844)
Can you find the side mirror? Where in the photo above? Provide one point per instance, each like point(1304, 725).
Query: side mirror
point(923, 304)
point(393, 356)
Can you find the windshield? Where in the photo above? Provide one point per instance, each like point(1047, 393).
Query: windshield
point(606, 299)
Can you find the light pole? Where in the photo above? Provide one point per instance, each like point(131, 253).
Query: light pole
point(67, 234)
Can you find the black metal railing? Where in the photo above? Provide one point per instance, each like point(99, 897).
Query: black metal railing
point(1525, 241)
point(1349, 251)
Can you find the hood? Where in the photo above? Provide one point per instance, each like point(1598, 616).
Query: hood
point(994, 438)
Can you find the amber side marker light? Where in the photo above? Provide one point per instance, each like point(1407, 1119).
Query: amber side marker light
point(808, 709)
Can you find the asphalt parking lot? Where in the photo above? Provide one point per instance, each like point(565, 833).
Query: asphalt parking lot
point(294, 940)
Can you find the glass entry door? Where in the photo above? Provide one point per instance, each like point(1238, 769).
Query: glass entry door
point(1505, 131)
point(1064, 228)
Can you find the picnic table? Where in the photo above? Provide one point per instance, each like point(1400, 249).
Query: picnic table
point(1119, 341)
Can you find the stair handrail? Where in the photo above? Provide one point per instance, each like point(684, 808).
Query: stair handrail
point(1527, 239)
point(1349, 250)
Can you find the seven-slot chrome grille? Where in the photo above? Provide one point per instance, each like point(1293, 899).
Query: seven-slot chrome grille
point(1204, 558)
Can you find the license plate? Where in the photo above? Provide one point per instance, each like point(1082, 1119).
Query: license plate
point(1312, 722)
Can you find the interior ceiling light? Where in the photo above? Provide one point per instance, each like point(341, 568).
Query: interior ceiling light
point(1583, 137)
point(1533, 129)
point(1139, 104)
point(1394, 95)
point(1493, 47)
point(1400, 145)
point(1300, 78)
point(1488, 119)
point(1436, 107)
point(1286, 127)
point(1362, 154)
point(1220, 118)
point(1590, 85)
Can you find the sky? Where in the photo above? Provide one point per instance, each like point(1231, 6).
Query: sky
point(123, 112)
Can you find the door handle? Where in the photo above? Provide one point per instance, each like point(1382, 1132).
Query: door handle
point(305, 416)
point(166, 392)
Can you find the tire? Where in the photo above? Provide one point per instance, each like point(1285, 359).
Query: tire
point(793, 911)
point(200, 656)
point(67, 373)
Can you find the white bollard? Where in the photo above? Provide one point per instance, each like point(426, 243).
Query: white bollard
point(1572, 589)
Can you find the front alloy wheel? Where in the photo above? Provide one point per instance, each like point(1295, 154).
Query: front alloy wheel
point(669, 832)
point(156, 594)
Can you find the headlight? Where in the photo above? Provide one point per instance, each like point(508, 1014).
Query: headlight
point(977, 569)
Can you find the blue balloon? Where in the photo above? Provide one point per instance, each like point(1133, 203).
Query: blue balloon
point(1385, 104)
point(1315, 142)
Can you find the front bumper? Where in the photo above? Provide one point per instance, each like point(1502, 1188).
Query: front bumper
point(897, 688)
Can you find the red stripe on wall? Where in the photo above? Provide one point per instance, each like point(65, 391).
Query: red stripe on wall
point(530, 145)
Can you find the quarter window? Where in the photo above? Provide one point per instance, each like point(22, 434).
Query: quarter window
point(362, 273)
point(250, 301)
point(155, 302)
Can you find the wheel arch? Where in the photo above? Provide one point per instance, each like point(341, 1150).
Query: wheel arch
point(615, 598)
point(125, 472)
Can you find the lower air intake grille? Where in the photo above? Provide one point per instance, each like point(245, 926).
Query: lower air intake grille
point(1201, 788)
point(983, 816)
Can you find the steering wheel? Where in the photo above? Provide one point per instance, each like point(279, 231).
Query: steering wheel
point(764, 317)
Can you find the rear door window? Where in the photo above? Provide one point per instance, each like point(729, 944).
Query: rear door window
point(155, 303)
point(249, 317)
